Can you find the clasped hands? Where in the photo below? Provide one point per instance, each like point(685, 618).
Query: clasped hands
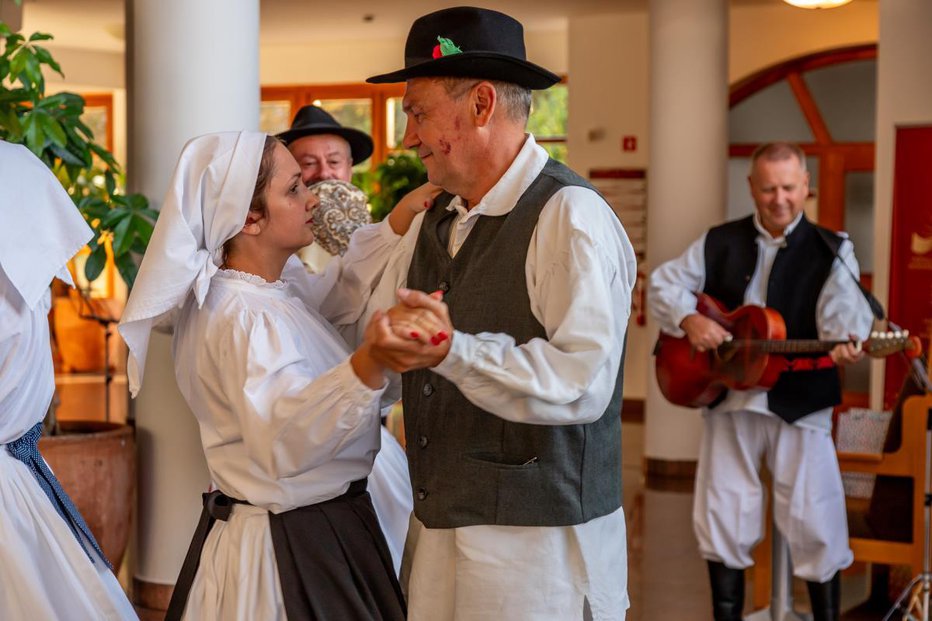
point(415, 333)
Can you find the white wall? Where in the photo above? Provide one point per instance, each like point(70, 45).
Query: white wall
point(763, 35)
point(608, 99)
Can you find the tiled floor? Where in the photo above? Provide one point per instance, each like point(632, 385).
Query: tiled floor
point(667, 579)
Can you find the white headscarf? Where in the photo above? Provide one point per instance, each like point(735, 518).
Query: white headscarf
point(207, 203)
point(41, 227)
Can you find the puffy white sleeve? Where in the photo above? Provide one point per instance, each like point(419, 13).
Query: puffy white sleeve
point(341, 291)
point(671, 292)
point(580, 272)
point(295, 414)
point(841, 309)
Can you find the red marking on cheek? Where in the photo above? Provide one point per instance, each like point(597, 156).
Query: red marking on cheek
point(445, 147)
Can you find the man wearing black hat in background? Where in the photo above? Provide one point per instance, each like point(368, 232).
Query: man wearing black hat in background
point(514, 434)
point(324, 148)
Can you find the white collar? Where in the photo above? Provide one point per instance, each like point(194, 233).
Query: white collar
point(770, 239)
point(504, 195)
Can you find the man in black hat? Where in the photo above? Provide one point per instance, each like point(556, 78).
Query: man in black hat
point(513, 434)
point(324, 148)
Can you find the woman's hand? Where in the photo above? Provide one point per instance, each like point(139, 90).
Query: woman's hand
point(414, 202)
point(414, 334)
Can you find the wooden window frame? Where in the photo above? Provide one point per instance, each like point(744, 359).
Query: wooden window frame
point(835, 158)
point(378, 94)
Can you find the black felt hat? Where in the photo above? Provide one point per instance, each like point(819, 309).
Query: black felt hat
point(312, 120)
point(469, 42)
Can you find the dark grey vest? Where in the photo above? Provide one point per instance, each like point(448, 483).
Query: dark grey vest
point(799, 272)
point(468, 466)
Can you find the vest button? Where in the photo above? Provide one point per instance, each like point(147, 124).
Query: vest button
point(444, 286)
point(421, 494)
point(428, 390)
point(422, 441)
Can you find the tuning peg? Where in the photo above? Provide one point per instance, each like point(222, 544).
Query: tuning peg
point(898, 334)
point(875, 334)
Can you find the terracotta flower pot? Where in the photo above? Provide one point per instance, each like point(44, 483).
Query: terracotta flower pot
point(96, 464)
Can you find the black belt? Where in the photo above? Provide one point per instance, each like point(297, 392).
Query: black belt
point(217, 506)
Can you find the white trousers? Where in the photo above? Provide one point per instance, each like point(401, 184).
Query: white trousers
point(808, 497)
point(518, 573)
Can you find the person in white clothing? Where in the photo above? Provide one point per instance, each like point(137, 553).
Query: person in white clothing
point(513, 434)
point(288, 415)
point(774, 258)
point(50, 564)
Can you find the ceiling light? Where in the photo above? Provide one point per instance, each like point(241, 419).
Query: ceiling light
point(817, 4)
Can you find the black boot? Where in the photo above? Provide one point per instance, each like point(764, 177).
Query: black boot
point(727, 592)
point(825, 598)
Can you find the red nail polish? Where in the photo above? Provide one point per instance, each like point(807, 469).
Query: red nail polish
point(435, 340)
point(414, 335)
point(442, 336)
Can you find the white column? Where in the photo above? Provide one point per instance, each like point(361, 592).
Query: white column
point(688, 137)
point(904, 97)
point(192, 68)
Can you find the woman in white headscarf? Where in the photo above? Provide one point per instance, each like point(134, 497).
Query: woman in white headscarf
point(289, 418)
point(50, 564)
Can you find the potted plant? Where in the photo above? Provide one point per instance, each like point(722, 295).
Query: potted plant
point(400, 173)
point(94, 461)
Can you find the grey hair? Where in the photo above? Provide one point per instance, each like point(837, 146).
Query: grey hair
point(778, 151)
point(515, 100)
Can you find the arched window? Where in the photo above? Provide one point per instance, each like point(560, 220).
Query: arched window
point(825, 102)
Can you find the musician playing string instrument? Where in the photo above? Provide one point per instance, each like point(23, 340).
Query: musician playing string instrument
point(775, 258)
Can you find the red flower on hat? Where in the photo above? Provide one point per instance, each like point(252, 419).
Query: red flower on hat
point(446, 48)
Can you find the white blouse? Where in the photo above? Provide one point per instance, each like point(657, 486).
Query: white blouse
point(284, 421)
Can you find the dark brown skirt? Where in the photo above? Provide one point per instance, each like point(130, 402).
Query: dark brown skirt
point(333, 561)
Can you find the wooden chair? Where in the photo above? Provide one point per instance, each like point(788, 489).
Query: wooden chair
point(908, 462)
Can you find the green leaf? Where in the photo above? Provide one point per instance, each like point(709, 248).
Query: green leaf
point(122, 236)
point(40, 36)
point(52, 129)
point(127, 268)
point(65, 155)
point(35, 137)
point(110, 183)
point(137, 201)
point(45, 57)
point(95, 263)
point(143, 229)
